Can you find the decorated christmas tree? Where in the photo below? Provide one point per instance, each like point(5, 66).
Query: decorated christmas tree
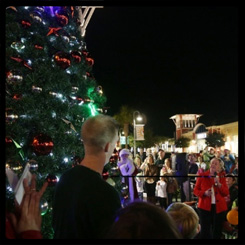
point(50, 91)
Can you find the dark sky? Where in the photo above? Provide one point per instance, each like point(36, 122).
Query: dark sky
point(167, 60)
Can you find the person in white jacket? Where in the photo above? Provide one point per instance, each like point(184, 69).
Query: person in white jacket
point(140, 184)
point(161, 192)
point(128, 171)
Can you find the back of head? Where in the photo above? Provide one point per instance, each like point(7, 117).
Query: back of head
point(143, 220)
point(99, 130)
point(186, 219)
point(181, 157)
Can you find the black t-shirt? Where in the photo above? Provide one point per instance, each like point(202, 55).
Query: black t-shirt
point(84, 205)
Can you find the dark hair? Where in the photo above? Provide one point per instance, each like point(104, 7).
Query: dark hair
point(143, 220)
point(232, 176)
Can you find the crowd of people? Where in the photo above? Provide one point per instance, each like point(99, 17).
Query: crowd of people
point(86, 206)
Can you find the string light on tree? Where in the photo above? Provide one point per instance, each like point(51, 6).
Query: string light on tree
point(43, 206)
point(18, 46)
point(10, 116)
point(33, 165)
point(14, 77)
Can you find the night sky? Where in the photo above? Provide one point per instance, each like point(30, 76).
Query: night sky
point(164, 61)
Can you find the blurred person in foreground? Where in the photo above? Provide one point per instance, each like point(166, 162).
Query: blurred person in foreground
point(143, 220)
point(185, 218)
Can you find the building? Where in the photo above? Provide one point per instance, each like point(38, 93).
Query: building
point(184, 123)
point(187, 126)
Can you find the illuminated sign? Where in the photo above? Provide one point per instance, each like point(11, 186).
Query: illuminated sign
point(202, 136)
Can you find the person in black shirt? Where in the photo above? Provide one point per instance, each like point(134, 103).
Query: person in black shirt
point(84, 204)
point(181, 173)
point(160, 160)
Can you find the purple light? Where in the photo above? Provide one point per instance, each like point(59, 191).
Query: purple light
point(52, 9)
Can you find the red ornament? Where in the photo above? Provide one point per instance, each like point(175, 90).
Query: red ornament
point(77, 56)
point(89, 61)
point(62, 17)
point(8, 141)
point(42, 144)
point(21, 61)
point(62, 60)
point(89, 75)
point(38, 47)
point(17, 96)
point(72, 11)
point(53, 30)
point(25, 24)
point(52, 180)
point(85, 53)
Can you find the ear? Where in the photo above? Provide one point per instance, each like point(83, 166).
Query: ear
point(198, 228)
point(107, 146)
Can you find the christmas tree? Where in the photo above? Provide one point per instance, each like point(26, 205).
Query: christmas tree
point(50, 91)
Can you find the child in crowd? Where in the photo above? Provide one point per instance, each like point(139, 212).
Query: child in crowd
point(161, 192)
point(139, 179)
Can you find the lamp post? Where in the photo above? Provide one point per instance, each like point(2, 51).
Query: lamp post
point(139, 118)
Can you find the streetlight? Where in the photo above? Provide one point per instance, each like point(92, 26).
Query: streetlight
point(139, 118)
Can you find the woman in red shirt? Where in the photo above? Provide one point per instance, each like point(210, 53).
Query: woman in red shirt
point(211, 190)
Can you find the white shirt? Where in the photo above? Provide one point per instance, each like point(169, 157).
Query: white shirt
point(161, 190)
point(203, 165)
point(139, 182)
point(212, 196)
point(173, 158)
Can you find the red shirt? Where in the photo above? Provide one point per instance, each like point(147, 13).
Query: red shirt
point(11, 234)
point(206, 182)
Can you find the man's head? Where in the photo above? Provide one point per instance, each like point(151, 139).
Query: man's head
point(161, 153)
point(230, 179)
point(191, 158)
point(124, 154)
point(141, 150)
point(100, 133)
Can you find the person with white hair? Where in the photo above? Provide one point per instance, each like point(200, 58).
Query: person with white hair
point(211, 190)
point(128, 171)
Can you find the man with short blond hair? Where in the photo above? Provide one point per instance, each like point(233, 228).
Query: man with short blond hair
point(85, 204)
